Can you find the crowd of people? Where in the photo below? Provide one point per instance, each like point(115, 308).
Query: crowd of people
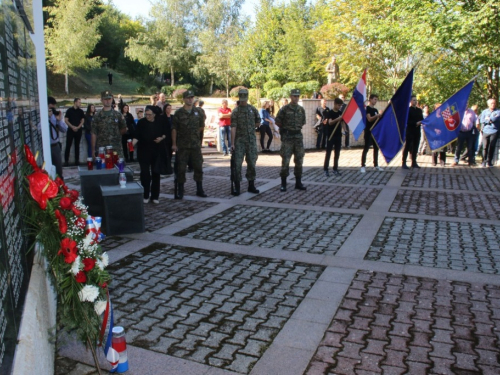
point(157, 133)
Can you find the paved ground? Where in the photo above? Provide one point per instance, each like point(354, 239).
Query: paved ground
point(392, 272)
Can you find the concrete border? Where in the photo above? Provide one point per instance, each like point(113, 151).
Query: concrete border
point(35, 350)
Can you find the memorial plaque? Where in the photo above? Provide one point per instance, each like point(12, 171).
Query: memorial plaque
point(19, 124)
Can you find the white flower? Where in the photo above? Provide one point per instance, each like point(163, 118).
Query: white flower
point(87, 241)
point(100, 306)
point(105, 259)
point(88, 293)
point(75, 267)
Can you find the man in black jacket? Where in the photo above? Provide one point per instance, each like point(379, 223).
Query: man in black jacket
point(415, 118)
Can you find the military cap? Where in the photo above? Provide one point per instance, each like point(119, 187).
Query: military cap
point(188, 94)
point(295, 92)
point(106, 94)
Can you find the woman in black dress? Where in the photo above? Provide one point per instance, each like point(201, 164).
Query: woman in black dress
point(150, 138)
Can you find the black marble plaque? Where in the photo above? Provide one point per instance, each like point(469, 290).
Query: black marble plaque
point(19, 124)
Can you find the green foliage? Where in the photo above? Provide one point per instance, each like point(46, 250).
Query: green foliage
point(141, 90)
point(278, 45)
point(168, 90)
point(163, 44)
point(271, 84)
point(70, 37)
point(258, 79)
point(277, 93)
point(308, 88)
point(217, 23)
point(254, 97)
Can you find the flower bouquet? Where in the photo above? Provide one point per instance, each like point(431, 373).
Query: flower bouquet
point(70, 242)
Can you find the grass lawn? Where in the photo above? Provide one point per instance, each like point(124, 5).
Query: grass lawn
point(90, 83)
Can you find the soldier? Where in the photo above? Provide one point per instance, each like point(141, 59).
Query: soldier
point(290, 119)
point(108, 126)
point(187, 125)
point(244, 119)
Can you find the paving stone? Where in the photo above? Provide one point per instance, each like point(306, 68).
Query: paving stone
point(452, 255)
point(452, 182)
point(424, 343)
point(434, 203)
point(329, 226)
point(359, 198)
point(229, 327)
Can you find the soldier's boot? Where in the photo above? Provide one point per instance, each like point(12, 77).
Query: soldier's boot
point(199, 189)
point(180, 191)
point(298, 184)
point(251, 187)
point(283, 184)
point(236, 191)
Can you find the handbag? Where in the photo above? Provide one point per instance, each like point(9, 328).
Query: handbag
point(162, 165)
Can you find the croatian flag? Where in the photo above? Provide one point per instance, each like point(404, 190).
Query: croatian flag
point(355, 114)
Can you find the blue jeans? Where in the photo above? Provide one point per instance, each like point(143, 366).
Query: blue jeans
point(225, 132)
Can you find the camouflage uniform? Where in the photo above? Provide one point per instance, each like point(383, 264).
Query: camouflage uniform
point(106, 126)
point(188, 124)
point(291, 118)
point(244, 118)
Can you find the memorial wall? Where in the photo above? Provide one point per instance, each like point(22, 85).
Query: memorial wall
point(19, 124)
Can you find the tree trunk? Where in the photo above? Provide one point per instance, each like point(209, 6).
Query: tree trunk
point(66, 83)
point(227, 85)
point(211, 86)
point(172, 79)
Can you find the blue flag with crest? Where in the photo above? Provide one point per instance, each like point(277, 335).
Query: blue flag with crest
point(390, 130)
point(442, 126)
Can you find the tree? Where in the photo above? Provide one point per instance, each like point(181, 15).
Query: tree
point(70, 36)
point(163, 45)
point(219, 24)
point(278, 45)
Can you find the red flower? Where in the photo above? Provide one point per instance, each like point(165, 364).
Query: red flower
point(80, 222)
point(68, 249)
point(76, 211)
point(63, 224)
point(65, 203)
point(42, 188)
point(104, 285)
point(88, 264)
point(80, 277)
point(30, 158)
point(61, 184)
point(73, 195)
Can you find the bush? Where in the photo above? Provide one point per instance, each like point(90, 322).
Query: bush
point(153, 90)
point(333, 90)
point(177, 94)
point(271, 84)
point(219, 94)
point(308, 88)
point(141, 90)
point(254, 97)
point(277, 93)
point(233, 93)
point(257, 79)
point(168, 90)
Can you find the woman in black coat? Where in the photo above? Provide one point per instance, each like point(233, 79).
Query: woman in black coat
point(150, 138)
point(129, 119)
